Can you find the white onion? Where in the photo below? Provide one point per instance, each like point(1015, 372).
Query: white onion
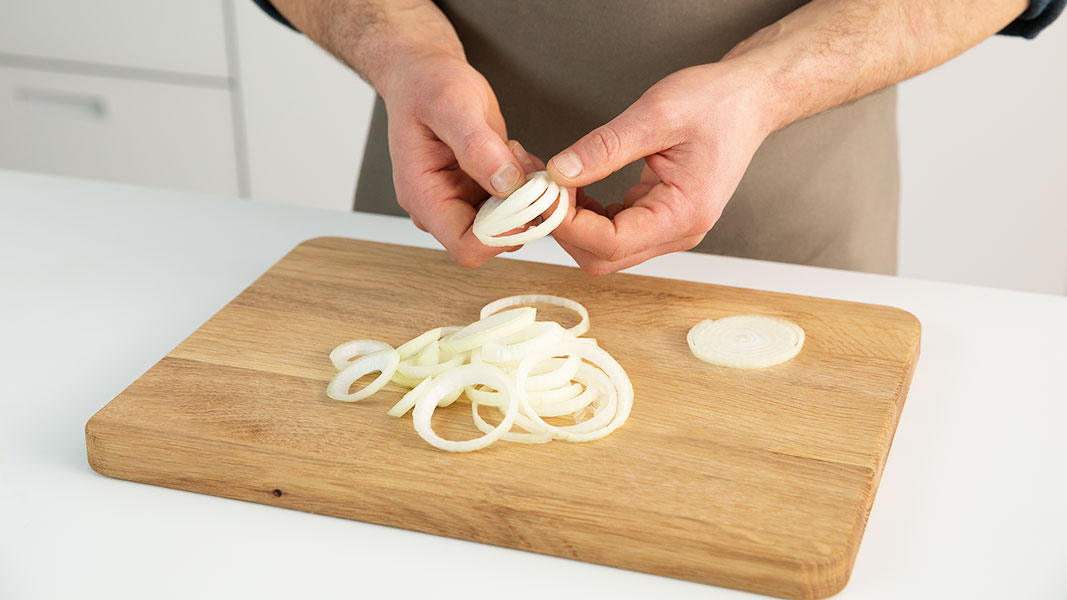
point(522, 437)
point(534, 339)
point(619, 382)
point(382, 360)
point(408, 401)
point(745, 341)
point(459, 378)
point(498, 305)
point(342, 355)
point(525, 369)
point(489, 329)
point(551, 398)
point(409, 368)
point(498, 216)
point(545, 377)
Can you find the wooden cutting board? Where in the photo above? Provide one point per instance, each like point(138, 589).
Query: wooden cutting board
point(757, 480)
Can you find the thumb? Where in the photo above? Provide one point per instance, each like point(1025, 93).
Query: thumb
point(482, 154)
point(606, 149)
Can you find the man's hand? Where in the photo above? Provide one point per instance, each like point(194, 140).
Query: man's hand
point(447, 143)
point(446, 133)
point(696, 130)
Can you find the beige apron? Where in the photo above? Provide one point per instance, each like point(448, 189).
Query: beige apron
point(823, 191)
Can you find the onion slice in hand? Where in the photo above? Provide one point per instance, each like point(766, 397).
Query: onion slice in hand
point(537, 195)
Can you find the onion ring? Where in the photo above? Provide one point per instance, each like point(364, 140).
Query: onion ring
point(385, 361)
point(459, 378)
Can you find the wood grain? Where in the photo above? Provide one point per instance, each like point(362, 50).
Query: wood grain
point(756, 480)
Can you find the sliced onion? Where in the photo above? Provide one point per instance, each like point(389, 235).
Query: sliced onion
point(532, 340)
point(745, 341)
point(430, 355)
point(553, 397)
point(522, 437)
point(342, 355)
point(535, 187)
point(536, 196)
point(408, 382)
point(605, 402)
point(408, 401)
point(552, 373)
point(459, 378)
point(385, 361)
point(489, 329)
point(619, 381)
point(409, 368)
point(537, 231)
point(524, 369)
point(498, 305)
point(519, 208)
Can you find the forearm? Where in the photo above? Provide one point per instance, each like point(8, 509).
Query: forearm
point(373, 36)
point(830, 52)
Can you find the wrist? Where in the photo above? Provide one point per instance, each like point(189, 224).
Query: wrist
point(403, 60)
point(747, 93)
point(771, 58)
point(373, 37)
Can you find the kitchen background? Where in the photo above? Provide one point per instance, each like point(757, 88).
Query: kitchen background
point(212, 96)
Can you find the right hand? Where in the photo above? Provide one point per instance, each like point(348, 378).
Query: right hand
point(447, 144)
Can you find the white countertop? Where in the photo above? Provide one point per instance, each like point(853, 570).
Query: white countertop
point(99, 281)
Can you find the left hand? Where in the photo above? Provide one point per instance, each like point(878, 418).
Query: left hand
point(697, 130)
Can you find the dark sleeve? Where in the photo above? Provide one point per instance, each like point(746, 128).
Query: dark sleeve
point(268, 8)
point(1036, 18)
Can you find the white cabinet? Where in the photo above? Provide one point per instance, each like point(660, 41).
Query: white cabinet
point(158, 35)
point(145, 132)
point(137, 91)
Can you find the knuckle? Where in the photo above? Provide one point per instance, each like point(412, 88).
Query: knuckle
point(605, 141)
point(662, 110)
point(473, 144)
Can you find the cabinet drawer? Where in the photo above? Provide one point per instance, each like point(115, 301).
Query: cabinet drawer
point(157, 134)
point(162, 35)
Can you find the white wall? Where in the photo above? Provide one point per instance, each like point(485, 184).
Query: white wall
point(984, 153)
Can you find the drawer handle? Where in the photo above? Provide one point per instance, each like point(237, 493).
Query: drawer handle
point(85, 105)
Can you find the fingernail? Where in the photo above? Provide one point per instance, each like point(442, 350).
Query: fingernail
point(505, 178)
point(568, 164)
